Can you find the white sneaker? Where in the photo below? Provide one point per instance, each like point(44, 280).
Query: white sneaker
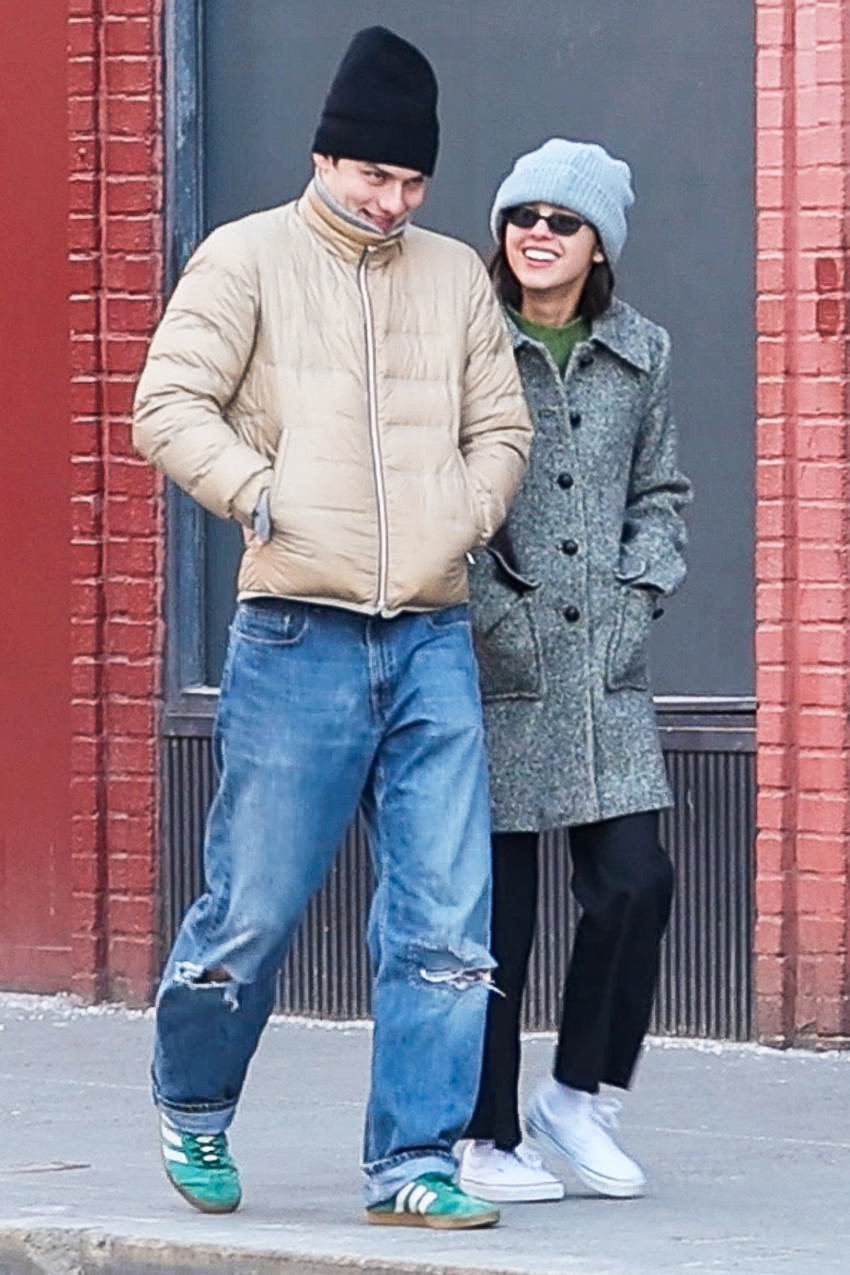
point(507, 1177)
point(578, 1127)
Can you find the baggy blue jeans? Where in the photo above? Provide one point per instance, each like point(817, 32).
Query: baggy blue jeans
point(321, 711)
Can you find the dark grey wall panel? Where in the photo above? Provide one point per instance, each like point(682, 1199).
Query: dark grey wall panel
point(666, 84)
point(705, 987)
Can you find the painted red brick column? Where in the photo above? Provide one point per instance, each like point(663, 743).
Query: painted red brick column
point(35, 632)
point(115, 246)
point(802, 520)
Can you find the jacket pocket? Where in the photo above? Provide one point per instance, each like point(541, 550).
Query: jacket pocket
point(504, 631)
point(471, 501)
point(626, 662)
point(275, 495)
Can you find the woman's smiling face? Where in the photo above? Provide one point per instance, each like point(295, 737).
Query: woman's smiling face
point(545, 262)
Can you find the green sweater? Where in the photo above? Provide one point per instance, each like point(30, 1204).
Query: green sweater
point(560, 342)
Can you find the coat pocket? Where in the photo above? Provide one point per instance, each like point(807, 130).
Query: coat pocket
point(626, 663)
point(275, 496)
point(504, 632)
point(470, 500)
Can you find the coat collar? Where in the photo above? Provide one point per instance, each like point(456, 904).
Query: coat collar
point(625, 333)
point(621, 330)
point(342, 237)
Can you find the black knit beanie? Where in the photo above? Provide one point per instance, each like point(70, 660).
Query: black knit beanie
point(382, 105)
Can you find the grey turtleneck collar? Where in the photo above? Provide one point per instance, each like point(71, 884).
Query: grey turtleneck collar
point(360, 222)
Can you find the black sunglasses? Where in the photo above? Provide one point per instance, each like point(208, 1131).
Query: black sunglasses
point(563, 224)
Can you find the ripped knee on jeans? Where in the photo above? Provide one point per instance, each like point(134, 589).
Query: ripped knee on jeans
point(199, 976)
point(446, 968)
point(217, 975)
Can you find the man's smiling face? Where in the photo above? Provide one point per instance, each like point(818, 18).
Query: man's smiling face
point(382, 194)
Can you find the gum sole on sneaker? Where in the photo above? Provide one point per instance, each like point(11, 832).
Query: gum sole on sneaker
point(513, 1195)
point(199, 1204)
point(433, 1222)
point(612, 1188)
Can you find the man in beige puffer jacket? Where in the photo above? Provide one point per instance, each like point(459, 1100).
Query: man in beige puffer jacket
point(342, 384)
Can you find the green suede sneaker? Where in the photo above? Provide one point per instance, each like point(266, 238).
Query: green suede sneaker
point(199, 1166)
point(433, 1200)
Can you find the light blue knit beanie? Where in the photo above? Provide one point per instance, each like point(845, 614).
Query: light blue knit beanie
point(580, 176)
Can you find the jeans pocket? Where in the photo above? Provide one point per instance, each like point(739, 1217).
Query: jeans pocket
point(626, 662)
point(271, 621)
point(504, 632)
point(448, 616)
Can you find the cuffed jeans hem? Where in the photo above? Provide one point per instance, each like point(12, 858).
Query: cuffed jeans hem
point(197, 1119)
point(384, 1180)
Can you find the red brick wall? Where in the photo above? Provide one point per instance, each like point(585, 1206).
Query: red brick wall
point(115, 245)
point(35, 665)
point(802, 519)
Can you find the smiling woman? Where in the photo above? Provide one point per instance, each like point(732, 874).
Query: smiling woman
point(551, 253)
point(597, 528)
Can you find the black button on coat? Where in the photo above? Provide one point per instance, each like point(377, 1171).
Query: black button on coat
point(569, 715)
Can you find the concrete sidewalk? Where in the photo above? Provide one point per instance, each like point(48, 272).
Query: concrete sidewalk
point(748, 1154)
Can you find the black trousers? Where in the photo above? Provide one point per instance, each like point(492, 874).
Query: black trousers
point(623, 881)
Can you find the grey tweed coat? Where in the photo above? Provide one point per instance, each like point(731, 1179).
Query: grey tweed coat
point(563, 598)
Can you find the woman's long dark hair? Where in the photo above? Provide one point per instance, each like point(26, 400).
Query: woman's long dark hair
point(595, 296)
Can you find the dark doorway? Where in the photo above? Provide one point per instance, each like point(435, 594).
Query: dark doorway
point(666, 85)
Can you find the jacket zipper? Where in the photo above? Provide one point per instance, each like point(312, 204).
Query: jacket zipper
point(377, 460)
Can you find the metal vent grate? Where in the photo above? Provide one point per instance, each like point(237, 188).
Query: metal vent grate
point(705, 988)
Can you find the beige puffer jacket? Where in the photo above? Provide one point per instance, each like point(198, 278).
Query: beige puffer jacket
point(369, 381)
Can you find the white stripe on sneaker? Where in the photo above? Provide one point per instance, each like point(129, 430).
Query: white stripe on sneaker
point(171, 1136)
point(171, 1153)
point(401, 1198)
point(411, 1204)
point(426, 1201)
